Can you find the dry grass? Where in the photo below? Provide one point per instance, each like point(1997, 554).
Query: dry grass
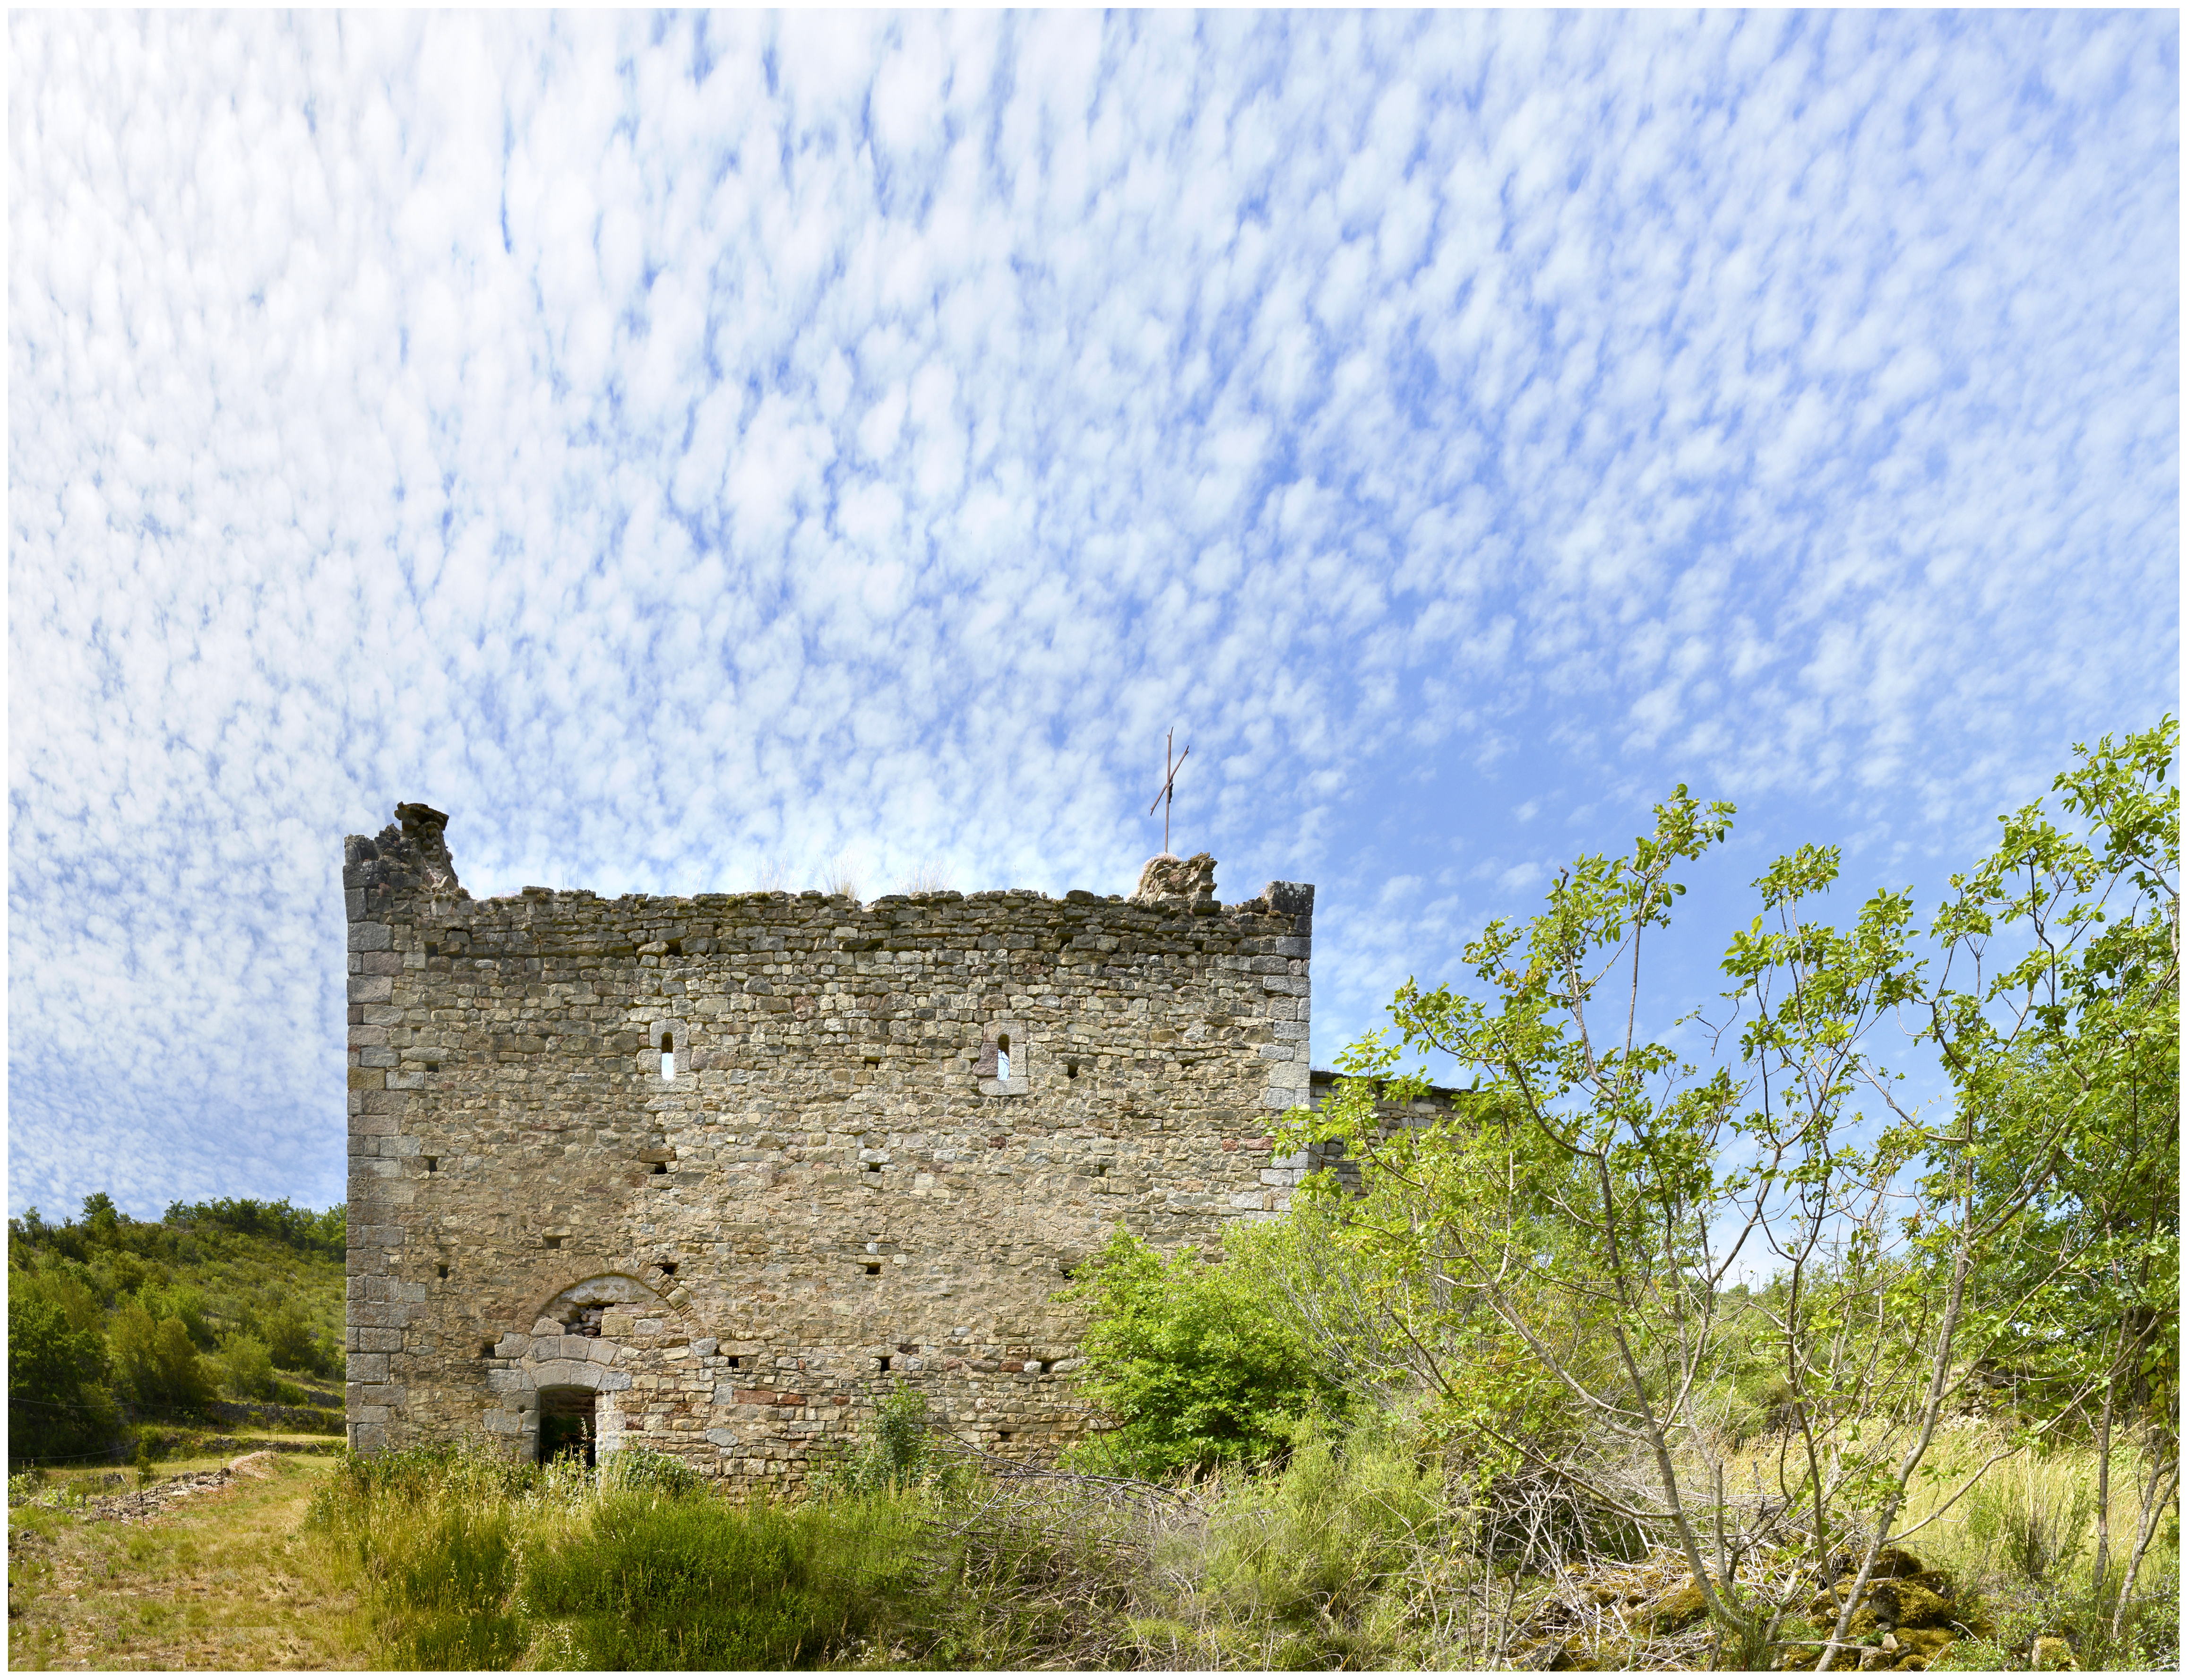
point(932, 876)
point(839, 877)
point(225, 1579)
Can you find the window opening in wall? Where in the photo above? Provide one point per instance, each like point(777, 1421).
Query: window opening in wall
point(1002, 1055)
point(554, 1242)
point(1045, 1366)
point(659, 1168)
point(432, 1066)
point(1003, 1435)
point(873, 1166)
point(737, 1363)
point(668, 1268)
point(669, 1056)
point(487, 1351)
point(1071, 1070)
point(873, 1268)
point(676, 948)
point(885, 1360)
point(444, 1270)
point(432, 1164)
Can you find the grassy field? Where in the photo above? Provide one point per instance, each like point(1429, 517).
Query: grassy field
point(223, 1579)
point(1358, 1556)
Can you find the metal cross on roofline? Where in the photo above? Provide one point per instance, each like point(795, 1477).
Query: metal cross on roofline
point(1172, 766)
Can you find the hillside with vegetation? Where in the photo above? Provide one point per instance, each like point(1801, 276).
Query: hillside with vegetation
point(1683, 1339)
point(114, 1323)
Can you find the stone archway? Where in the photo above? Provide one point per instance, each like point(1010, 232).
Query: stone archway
point(574, 1354)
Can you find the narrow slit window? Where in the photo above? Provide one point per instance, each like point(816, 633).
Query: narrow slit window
point(669, 1056)
point(885, 1360)
point(432, 1164)
point(1003, 1056)
point(444, 1270)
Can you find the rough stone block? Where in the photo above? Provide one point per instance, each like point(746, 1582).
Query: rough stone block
point(368, 936)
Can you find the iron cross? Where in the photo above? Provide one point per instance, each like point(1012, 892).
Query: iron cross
point(1172, 766)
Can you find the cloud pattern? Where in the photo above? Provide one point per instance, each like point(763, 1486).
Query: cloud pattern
point(693, 450)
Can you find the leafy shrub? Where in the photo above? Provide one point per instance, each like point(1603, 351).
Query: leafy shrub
point(640, 1469)
point(246, 1367)
point(1192, 1365)
point(156, 1364)
point(897, 1451)
point(57, 1406)
point(292, 1342)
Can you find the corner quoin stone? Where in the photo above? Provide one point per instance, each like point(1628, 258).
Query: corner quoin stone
point(829, 1193)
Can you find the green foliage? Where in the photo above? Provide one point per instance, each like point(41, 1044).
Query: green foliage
point(476, 1561)
point(156, 1365)
point(57, 1404)
point(897, 1451)
point(639, 1469)
point(246, 1368)
point(1310, 1554)
point(246, 1273)
point(291, 1342)
point(324, 1234)
point(1560, 1249)
point(1189, 1361)
point(660, 1584)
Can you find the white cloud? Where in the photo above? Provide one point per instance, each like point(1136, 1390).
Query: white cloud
point(665, 455)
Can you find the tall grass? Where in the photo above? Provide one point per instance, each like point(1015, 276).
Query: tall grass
point(1368, 1550)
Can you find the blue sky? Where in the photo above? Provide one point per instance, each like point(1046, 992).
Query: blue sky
point(698, 451)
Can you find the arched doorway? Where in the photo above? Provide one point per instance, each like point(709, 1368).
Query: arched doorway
point(567, 1425)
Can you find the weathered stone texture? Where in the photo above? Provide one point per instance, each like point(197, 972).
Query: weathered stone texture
point(833, 1191)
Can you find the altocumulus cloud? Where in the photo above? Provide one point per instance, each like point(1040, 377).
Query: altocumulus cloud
point(686, 448)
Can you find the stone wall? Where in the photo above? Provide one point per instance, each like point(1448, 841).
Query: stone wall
point(830, 1192)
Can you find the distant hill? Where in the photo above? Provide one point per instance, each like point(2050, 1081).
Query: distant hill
point(112, 1320)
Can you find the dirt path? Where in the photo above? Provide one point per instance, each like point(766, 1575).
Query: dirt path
point(211, 1570)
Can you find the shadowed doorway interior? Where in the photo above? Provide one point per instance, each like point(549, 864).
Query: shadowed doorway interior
point(566, 1424)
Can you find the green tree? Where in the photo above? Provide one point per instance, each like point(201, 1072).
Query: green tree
point(1190, 1362)
point(56, 1402)
point(1594, 1212)
point(2058, 1021)
point(246, 1367)
point(290, 1339)
point(156, 1365)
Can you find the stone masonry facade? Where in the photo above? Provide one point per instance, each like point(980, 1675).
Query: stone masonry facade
point(721, 1171)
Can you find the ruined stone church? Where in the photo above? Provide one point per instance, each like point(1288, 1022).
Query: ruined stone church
point(712, 1174)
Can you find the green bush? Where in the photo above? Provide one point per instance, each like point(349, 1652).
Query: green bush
point(247, 1367)
point(57, 1404)
point(1187, 1359)
point(895, 1452)
point(292, 1342)
point(640, 1469)
point(156, 1364)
